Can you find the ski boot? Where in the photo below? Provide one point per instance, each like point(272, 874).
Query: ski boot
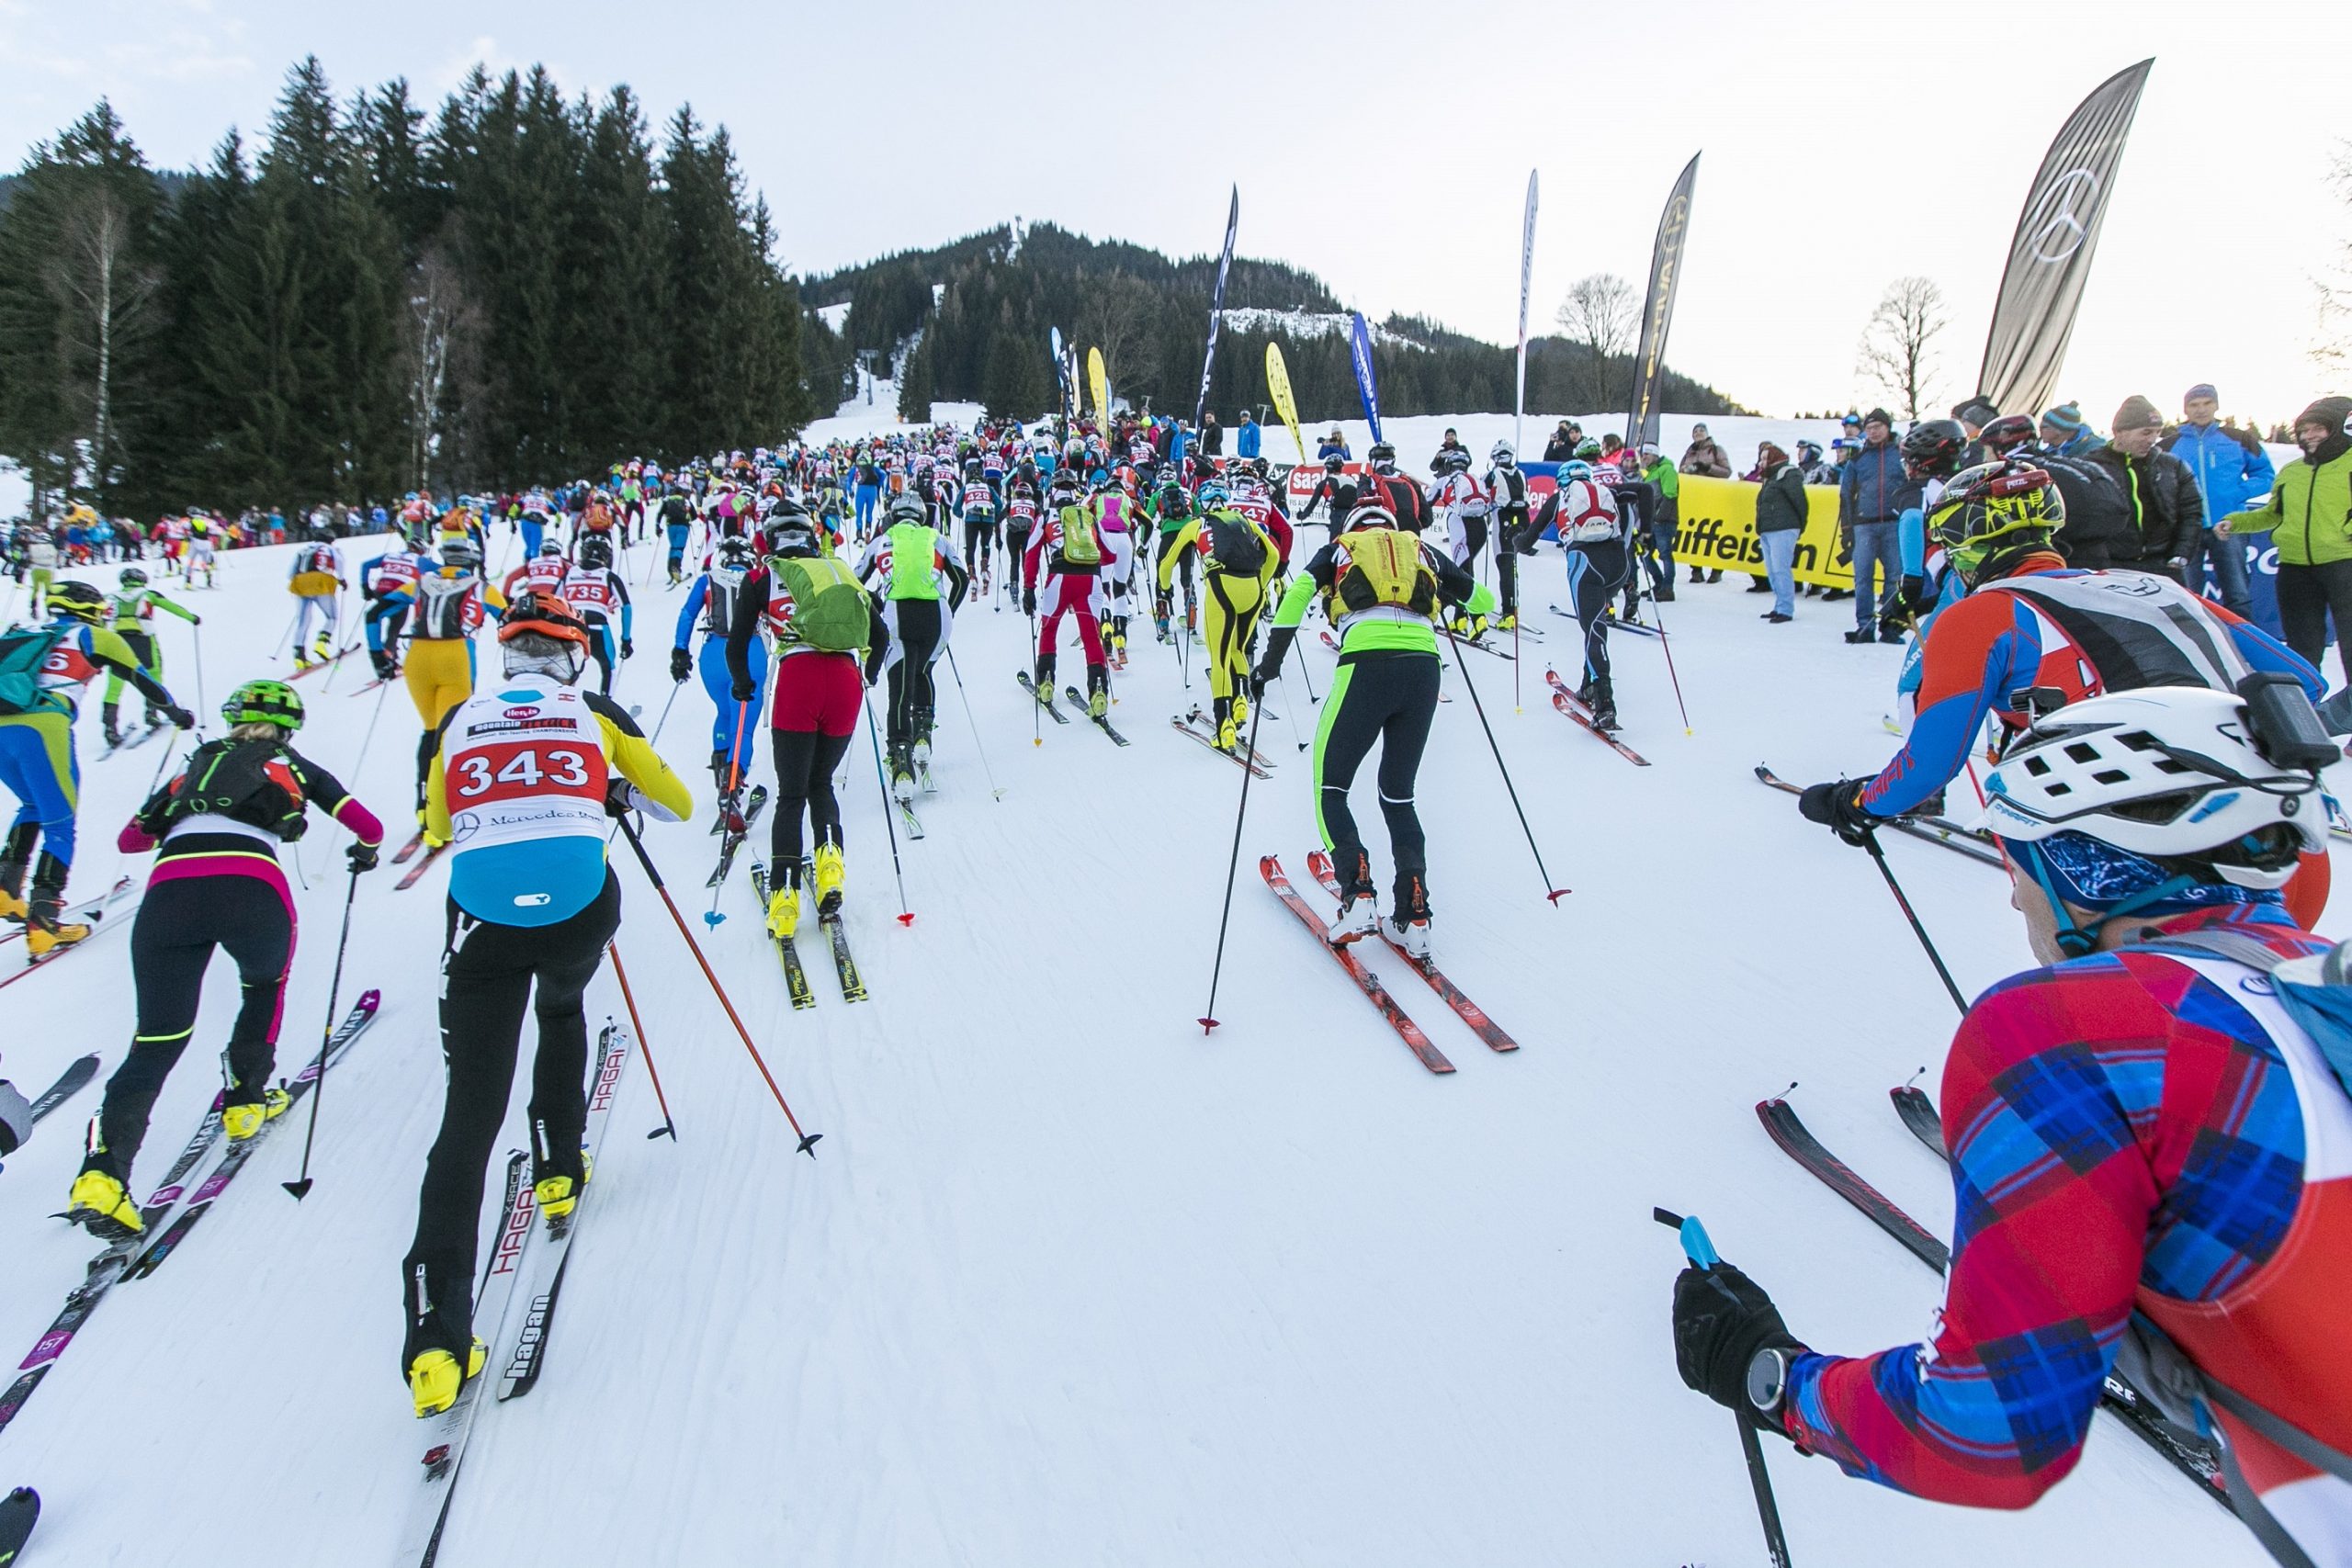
point(382, 662)
point(1359, 914)
point(44, 933)
point(902, 772)
point(434, 1379)
point(829, 875)
point(1510, 622)
point(14, 856)
point(1097, 691)
point(241, 1119)
point(440, 1310)
point(111, 721)
point(1604, 706)
point(1408, 928)
point(99, 1204)
point(1043, 677)
point(783, 907)
point(323, 646)
point(557, 1190)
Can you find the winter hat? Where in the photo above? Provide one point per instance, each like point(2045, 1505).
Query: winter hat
point(1975, 411)
point(1771, 453)
point(1879, 416)
point(2202, 389)
point(2137, 414)
point(2329, 411)
point(2066, 419)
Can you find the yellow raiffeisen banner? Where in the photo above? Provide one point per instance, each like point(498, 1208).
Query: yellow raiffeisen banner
point(1717, 528)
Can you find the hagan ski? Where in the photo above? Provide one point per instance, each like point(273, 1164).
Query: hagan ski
point(1271, 868)
point(1795, 1140)
point(1470, 1013)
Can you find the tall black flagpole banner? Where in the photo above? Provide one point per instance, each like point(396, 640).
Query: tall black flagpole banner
point(1658, 310)
point(2050, 256)
point(1216, 307)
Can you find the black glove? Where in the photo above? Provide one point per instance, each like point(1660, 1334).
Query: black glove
point(1721, 1319)
point(682, 664)
point(180, 716)
point(619, 797)
point(363, 857)
point(196, 620)
point(743, 688)
point(628, 648)
point(1028, 601)
point(1838, 808)
point(1915, 602)
point(1266, 673)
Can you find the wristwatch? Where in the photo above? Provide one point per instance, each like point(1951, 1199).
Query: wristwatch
point(1768, 1379)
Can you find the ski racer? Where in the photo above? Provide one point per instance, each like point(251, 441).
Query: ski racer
point(522, 779)
point(315, 579)
point(452, 601)
point(1068, 546)
point(594, 591)
point(911, 557)
point(216, 883)
point(133, 606)
point(1594, 534)
point(388, 584)
point(1238, 561)
point(716, 601)
point(2149, 1141)
point(1507, 489)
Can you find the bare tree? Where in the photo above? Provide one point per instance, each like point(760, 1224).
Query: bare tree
point(1116, 318)
point(438, 328)
point(1898, 348)
point(2331, 348)
point(105, 302)
point(1602, 313)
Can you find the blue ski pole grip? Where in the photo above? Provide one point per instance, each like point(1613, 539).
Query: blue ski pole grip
point(1696, 1245)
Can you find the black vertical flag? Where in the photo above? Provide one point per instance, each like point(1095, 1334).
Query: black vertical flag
point(1216, 307)
point(2050, 256)
point(1658, 310)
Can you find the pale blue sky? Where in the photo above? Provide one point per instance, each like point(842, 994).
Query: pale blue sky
point(1385, 146)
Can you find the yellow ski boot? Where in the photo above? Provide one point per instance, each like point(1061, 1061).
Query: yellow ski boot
point(241, 1122)
point(434, 1379)
point(556, 1195)
point(44, 938)
point(783, 912)
point(99, 1204)
point(829, 873)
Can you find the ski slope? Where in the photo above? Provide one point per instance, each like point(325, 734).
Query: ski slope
point(1069, 1283)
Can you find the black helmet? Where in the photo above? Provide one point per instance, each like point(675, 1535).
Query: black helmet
point(1933, 448)
point(78, 600)
point(2006, 434)
point(1381, 453)
point(1333, 463)
point(595, 551)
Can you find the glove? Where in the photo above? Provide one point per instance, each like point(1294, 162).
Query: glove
point(1915, 602)
point(1028, 601)
point(620, 797)
point(742, 688)
point(1722, 1318)
point(1838, 808)
point(196, 620)
point(363, 857)
point(628, 648)
point(1264, 676)
point(180, 717)
point(682, 664)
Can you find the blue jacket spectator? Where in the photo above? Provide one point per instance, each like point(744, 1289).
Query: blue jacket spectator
point(1872, 487)
point(1334, 445)
point(2231, 467)
point(1245, 436)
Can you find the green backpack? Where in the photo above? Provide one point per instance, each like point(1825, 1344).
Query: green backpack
point(1081, 541)
point(829, 604)
point(23, 653)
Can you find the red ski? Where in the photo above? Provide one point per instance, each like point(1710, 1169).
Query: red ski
point(1566, 700)
point(1369, 984)
point(1470, 1013)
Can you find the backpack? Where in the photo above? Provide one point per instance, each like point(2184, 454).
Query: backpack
point(828, 606)
point(1233, 545)
point(1081, 541)
point(1385, 566)
point(246, 781)
point(23, 653)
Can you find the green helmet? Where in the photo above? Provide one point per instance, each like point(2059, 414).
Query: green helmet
point(69, 596)
point(1589, 452)
point(263, 702)
point(1991, 514)
point(133, 578)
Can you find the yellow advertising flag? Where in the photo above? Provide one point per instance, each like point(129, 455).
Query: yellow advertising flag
point(1101, 385)
point(1278, 388)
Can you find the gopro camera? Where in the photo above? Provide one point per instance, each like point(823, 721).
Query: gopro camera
point(2286, 728)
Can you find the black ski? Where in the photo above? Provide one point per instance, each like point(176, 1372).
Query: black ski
point(796, 978)
point(69, 1084)
point(1953, 839)
point(1078, 700)
point(1044, 699)
point(1186, 727)
point(1918, 1113)
point(844, 966)
point(733, 841)
point(2181, 1450)
point(18, 1512)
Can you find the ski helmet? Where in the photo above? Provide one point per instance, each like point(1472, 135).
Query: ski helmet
point(1995, 510)
point(132, 578)
point(77, 600)
point(541, 635)
point(1212, 492)
point(1502, 454)
point(460, 552)
point(2150, 802)
point(734, 552)
point(1371, 514)
point(2006, 434)
point(595, 552)
point(1259, 467)
point(1589, 451)
point(908, 508)
point(1932, 448)
point(1574, 469)
point(263, 702)
point(550, 548)
point(1382, 453)
point(1333, 463)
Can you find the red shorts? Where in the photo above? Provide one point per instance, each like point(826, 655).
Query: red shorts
point(819, 691)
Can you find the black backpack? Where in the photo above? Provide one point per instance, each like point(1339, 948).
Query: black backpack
point(1234, 545)
point(246, 781)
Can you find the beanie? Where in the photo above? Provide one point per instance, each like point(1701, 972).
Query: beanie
point(2202, 389)
point(2066, 418)
point(1976, 411)
point(2329, 411)
point(2137, 414)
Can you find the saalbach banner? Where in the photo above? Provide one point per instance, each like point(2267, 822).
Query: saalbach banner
point(1658, 310)
point(1359, 350)
point(1216, 307)
point(1278, 388)
point(2050, 254)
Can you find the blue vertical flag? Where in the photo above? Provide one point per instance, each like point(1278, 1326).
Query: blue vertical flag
point(1216, 307)
point(1359, 350)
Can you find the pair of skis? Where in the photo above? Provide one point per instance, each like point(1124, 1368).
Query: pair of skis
point(87, 912)
point(1576, 712)
point(733, 839)
point(796, 976)
point(516, 1300)
point(125, 1259)
point(2182, 1450)
point(94, 913)
point(1201, 727)
point(1419, 1043)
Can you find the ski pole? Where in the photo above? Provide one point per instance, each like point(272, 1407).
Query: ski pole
point(669, 1128)
point(890, 813)
point(1668, 643)
point(300, 1186)
point(711, 917)
point(1701, 1253)
point(383, 688)
point(1553, 894)
point(653, 874)
point(675, 687)
point(1036, 699)
point(1207, 1020)
point(977, 744)
point(1869, 842)
point(195, 640)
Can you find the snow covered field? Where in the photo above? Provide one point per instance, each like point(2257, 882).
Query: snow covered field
point(1069, 1283)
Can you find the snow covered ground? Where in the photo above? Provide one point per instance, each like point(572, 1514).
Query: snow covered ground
point(1067, 1283)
